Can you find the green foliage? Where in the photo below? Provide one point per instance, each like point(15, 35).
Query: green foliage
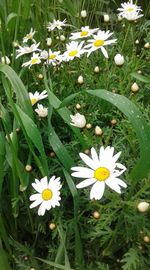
point(51, 145)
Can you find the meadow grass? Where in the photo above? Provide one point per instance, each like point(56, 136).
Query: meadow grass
point(106, 234)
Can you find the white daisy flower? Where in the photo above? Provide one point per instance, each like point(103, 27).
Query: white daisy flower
point(103, 169)
point(130, 11)
point(25, 50)
point(29, 36)
point(35, 60)
point(85, 32)
point(48, 195)
point(41, 111)
point(53, 57)
point(99, 41)
point(56, 24)
point(37, 96)
point(78, 120)
point(74, 49)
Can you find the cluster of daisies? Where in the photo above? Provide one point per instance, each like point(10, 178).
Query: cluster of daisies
point(99, 39)
point(102, 169)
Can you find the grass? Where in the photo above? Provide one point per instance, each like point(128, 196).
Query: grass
point(114, 240)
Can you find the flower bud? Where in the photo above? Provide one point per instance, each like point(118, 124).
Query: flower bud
point(41, 111)
point(146, 239)
point(83, 13)
point(78, 106)
point(5, 60)
point(96, 69)
point(106, 18)
point(137, 41)
point(96, 214)
point(119, 59)
point(28, 168)
point(98, 131)
point(22, 188)
point(80, 80)
point(147, 45)
point(143, 206)
point(139, 71)
point(40, 76)
point(49, 41)
point(52, 226)
point(78, 120)
point(134, 87)
point(113, 122)
point(62, 38)
point(88, 126)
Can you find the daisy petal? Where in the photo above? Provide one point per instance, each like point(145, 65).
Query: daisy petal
point(113, 184)
point(88, 160)
point(36, 203)
point(97, 190)
point(104, 51)
point(121, 183)
point(83, 173)
point(86, 183)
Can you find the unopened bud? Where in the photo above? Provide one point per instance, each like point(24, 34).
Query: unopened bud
point(96, 69)
point(113, 122)
point(147, 45)
point(62, 38)
point(28, 168)
point(49, 41)
point(143, 206)
point(88, 125)
point(98, 131)
point(146, 239)
point(106, 18)
point(78, 106)
point(52, 226)
point(80, 80)
point(134, 87)
point(96, 214)
point(83, 13)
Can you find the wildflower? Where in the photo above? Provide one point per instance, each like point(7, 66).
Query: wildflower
point(25, 50)
point(83, 13)
point(78, 120)
point(103, 170)
point(48, 195)
point(80, 80)
point(99, 41)
point(106, 18)
point(143, 206)
point(134, 87)
point(130, 11)
point(41, 111)
point(56, 24)
point(53, 57)
point(119, 59)
point(29, 36)
point(35, 60)
point(5, 60)
point(85, 32)
point(74, 49)
point(49, 41)
point(37, 96)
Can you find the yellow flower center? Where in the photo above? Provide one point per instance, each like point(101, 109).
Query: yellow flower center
point(84, 33)
point(34, 61)
point(47, 194)
point(101, 174)
point(98, 42)
point(52, 56)
point(28, 36)
point(33, 101)
point(73, 53)
point(130, 9)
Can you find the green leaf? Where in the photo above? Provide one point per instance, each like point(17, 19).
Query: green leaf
point(140, 77)
point(4, 264)
point(10, 17)
point(141, 127)
point(18, 88)
point(34, 135)
point(131, 260)
point(59, 266)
